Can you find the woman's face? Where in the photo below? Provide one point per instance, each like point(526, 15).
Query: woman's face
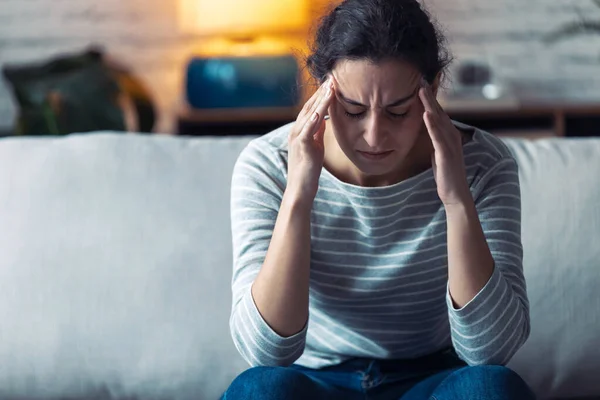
point(377, 116)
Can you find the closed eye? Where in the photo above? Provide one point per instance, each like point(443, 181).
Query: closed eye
point(395, 115)
point(362, 113)
point(356, 116)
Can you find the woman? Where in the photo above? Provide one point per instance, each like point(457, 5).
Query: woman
point(377, 252)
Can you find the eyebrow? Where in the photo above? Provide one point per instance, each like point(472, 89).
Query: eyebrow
point(396, 103)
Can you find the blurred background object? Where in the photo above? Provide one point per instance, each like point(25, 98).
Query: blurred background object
point(80, 92)
point(474, 80)
point(474, 74)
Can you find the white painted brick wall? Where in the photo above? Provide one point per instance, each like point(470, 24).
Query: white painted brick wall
point(508, 34)
point(144, 34)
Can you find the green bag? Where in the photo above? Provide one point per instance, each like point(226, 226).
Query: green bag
point(79, 93)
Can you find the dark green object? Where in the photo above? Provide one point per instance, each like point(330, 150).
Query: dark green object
point(78, 93)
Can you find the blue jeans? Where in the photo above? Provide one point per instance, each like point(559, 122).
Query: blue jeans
point(442, 376)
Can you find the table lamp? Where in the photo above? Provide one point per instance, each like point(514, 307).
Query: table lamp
point(244, 59)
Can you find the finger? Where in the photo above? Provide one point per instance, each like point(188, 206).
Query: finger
point(323, 107)
point(434, 101)
point(309, 103)
point(318, 114)
point(425, 99)
point(334, 80)
point(324, 95)
point(433, 130)
point(430, 97)
point(307, 111)
point(310, 126)
point(309, 106)
point(441, 118)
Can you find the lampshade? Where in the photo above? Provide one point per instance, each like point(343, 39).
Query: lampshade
point(243, 17)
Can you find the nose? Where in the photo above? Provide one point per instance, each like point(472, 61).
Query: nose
point(374, 135)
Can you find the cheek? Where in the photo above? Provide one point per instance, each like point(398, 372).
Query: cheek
point(414, 121)
point(408, 131)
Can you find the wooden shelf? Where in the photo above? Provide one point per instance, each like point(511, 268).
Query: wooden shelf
point(232, 122)
point(554, 119)
point(509, 117)
point(220, 115)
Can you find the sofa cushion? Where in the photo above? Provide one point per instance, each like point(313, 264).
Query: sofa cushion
point(115, 266)
point(560, 192)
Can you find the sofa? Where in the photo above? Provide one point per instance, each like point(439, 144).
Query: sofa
point(115, 266)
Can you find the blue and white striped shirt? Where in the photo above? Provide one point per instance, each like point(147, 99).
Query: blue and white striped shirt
point(379, 265)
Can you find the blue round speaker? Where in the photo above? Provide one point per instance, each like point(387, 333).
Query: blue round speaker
point(243, 82)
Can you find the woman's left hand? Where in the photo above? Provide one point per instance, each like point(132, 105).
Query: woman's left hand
point(447, 160)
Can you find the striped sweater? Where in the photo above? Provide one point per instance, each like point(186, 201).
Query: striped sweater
point(379, 265)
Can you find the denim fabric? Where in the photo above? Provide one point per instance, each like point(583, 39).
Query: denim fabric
point(442, 376)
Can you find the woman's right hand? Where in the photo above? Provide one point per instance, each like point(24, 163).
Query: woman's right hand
point(306, 150)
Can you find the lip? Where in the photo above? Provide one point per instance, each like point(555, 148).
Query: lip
point(375, 155)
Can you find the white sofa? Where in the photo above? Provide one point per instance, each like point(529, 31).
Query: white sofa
point(115, 266)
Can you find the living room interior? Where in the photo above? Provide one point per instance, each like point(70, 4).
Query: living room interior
point(115, 257)
point(511, 71)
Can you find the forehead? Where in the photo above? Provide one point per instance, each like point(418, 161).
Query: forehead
point(390, 77)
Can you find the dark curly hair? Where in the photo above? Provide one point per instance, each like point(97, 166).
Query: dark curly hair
point(377, 30)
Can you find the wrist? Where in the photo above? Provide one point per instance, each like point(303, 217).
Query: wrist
point(460, 207)
point(297, 201)
point(460, 200)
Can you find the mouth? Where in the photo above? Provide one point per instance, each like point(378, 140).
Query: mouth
point(371, 155)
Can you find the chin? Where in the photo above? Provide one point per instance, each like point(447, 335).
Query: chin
point(375, 169)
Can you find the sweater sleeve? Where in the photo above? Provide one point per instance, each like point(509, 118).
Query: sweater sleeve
point(495, 323)
point(257, 189)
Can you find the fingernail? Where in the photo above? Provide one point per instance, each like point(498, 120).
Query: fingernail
point(314, 116)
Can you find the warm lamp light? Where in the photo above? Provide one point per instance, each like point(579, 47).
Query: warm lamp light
point(243, 18)
point(244, 60)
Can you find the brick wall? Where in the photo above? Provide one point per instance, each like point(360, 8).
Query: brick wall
point(508, 34)
point(143, 33)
